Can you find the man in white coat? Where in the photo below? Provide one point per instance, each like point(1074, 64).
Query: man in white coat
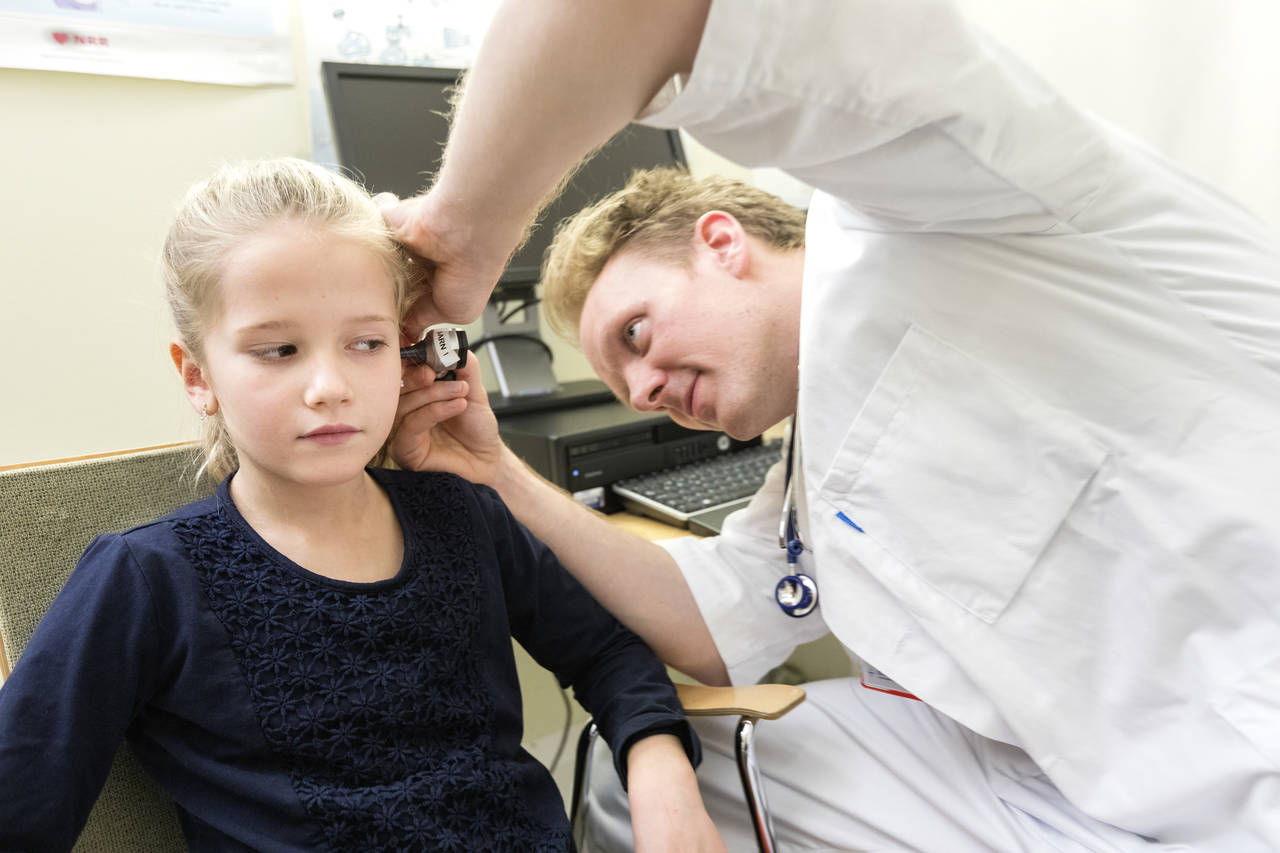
point(1037, 456)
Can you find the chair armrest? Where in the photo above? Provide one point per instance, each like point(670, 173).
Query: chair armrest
point(762, 701)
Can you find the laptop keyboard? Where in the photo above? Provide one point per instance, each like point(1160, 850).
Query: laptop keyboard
point(673, 494)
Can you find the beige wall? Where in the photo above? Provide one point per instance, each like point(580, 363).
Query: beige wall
point(92, 167)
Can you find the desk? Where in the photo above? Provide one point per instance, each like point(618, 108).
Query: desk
point(645, 527)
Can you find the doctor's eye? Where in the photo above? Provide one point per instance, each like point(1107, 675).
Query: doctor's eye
point(631, 332)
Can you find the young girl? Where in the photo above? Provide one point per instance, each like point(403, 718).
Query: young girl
point(318, 657)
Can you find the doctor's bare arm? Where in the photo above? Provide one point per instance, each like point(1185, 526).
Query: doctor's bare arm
point(551, 82)
point(448, 426)
point(634, 579)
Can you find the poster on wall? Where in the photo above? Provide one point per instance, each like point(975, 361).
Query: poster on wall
point(232, 42)
point(439, 33)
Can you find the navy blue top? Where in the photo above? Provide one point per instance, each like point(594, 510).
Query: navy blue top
point(288, 711)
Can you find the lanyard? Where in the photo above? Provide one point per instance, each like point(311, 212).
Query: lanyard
point(796, 593)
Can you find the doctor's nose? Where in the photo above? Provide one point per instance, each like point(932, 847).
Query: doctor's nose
point(646, 386)
point(327, 384)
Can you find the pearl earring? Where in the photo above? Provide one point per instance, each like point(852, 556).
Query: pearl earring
point(204, 412)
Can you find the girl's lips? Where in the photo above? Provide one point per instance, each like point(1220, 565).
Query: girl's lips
point(336, 434)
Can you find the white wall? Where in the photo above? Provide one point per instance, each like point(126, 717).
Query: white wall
point(91, 167)
point(1195, 79)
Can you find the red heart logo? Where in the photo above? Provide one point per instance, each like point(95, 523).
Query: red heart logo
point(60, 38)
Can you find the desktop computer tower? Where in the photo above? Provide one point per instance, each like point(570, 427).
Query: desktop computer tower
point(586, 447)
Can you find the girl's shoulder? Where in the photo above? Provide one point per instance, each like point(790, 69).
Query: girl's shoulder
point(150, 544)
point(122, 570)
point(192, 513)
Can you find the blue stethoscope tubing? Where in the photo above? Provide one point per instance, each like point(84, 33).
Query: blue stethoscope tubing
point(796, 593)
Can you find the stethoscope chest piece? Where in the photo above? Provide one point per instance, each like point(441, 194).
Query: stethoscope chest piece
point(796, 594)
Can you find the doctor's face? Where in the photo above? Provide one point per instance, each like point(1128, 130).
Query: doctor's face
point(697, 343)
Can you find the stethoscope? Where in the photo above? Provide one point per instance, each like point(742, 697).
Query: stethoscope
point(796, 593)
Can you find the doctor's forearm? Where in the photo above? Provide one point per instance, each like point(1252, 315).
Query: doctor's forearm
point(637, 581)
point(554, 79)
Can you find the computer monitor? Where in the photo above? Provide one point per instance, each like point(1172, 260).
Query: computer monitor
point(390, 124)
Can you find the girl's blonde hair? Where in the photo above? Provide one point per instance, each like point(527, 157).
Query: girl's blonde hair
point(653, 215)
point(241, 200)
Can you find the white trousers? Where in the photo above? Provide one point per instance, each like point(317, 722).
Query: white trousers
point(852, 769)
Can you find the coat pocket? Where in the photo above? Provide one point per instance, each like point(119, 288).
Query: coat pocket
point(959, 477)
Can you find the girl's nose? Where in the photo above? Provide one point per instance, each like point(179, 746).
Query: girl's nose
point(328, 384)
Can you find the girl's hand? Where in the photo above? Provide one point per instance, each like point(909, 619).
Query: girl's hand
point(667, 813)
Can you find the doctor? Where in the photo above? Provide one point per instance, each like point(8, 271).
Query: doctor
point(1037, 434)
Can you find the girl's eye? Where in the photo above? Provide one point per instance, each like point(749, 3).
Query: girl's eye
point(274, 353)
point(632, 332)
point(370, 344)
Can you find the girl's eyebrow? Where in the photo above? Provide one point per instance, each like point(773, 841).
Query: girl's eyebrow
point(264, 326)
point(272, 325)
point(376, 318)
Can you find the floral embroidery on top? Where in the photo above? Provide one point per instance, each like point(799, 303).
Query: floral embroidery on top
point(372, 698)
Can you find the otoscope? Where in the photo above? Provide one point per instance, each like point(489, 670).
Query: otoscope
point(442, 349)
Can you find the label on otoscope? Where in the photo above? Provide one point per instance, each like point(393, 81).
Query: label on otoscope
point(445, 344)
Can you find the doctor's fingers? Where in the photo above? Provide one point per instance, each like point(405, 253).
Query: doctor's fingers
point(415, 377)
point(398, 214)
point(416, 426)
point(452, 274)
point(434, 397)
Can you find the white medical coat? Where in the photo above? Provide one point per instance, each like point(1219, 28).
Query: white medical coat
point(1040, 370)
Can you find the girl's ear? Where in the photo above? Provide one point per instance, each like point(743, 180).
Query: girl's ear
point(194, 381)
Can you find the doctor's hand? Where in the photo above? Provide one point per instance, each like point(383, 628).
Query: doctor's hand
point(462, 257)
point(447, 425)
point(667, 812)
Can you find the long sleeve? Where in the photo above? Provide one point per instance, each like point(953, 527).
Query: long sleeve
point(614, 675)
point(65, 708)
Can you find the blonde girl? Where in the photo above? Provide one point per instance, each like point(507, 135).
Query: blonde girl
point(318, 656)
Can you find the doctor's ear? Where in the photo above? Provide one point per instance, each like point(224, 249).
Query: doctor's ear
point(194, 382)
point(725, 237)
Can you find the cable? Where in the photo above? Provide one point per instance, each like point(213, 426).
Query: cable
point(528, 303)
point(479, 342)
point(564, 734)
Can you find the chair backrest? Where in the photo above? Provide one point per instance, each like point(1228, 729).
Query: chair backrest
point(49, 513)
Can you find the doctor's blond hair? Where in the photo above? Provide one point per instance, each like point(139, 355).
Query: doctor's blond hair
point(653, 215)
point(239, 201)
